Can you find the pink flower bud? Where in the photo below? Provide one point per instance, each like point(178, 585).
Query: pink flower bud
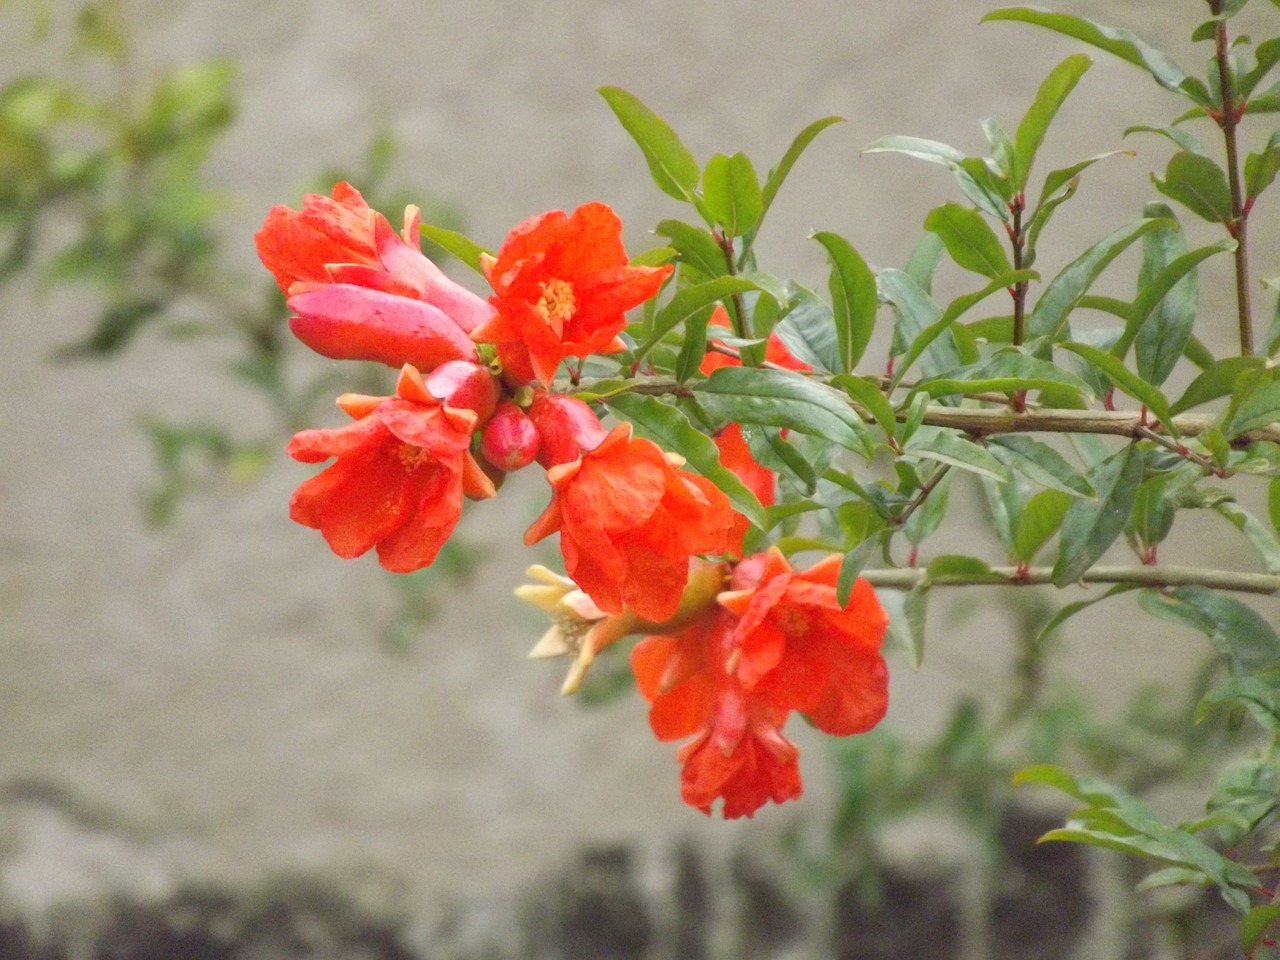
point(567, 425)
point(510, 440)
point(463, 385)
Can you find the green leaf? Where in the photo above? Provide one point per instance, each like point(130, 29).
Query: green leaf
point(456, 244)
point(925, 520)
point(732, 193)
point(671, 165)
point(1183, 138)
point(869, 396)
point(1040, 520)
point(852, 565)
point(671, 430)
point(1053, 91)
point(1118, 42)
point(954, 310)
point(853, 299)
point(1268, 54)
point(960, 567)
point(924, 260)
point(1258, 693)
point(953, 449)
point(1164, 311)
point(1273, 503)
point(1260, 168)
point(1126, 380)
point(1259, 408)
point(1237, 631)
point(1199, 184)
point(779, 173)
point(917, 147)
point(967, 170)
point(1059, 187)
point(1049, 316)
point(907, 620)
point(777, 398)
point(808, 330)
point(1258, 534)
point(969, 239)
point(915, 312)
point(1005, 372)
point(1217, 380)
point(1076, 606)
point(696, 247)
point(1040, 462)
point(687, 303)
point(1091, 526)
point(694, 346)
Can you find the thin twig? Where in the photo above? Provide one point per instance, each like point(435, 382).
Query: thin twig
point(1146, 576)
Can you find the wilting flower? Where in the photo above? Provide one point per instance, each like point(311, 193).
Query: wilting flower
point(801, 650)
point(629, 521)
point(562, 285)
point(362, 292)
point(401, 472)
point(738, 752)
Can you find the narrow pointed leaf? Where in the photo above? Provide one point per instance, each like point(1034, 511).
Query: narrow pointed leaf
point(1236, 630)
point(1065, 290)
point(853, 299)
point(1260, 168)
point(1040, 520)
point(687, 303)
point(1216, 380)
point(907, 612)
point(779, 173)
point(916, 311)
point(1038, 461)
point(1119, 42)
point(696, 247)
point(869, 396)
point(671, 165)
point(1091, 526)
point(460, 246)
point(1006, 372)
point(946, 446)
point(1128, 381)
point(1053, 91)
point(808, 330)
point(776, 398)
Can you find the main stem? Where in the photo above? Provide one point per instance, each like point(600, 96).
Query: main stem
point(1238, 227)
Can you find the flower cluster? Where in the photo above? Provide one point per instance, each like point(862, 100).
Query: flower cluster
point(732, 646)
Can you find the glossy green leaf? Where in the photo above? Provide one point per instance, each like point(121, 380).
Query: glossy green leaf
point(917, 147)
point(808, 330)
point(924, 260)
point(961, 568)
point(1255, 923)
point(1236, 630)
point(928, 516)
point(693, 346)
point(871, 398)
point(1119, 42)
point(1067, 611)
point(1260, 168)
point(1261, 536)
point(458, 245)
point(1064, 292)
point(1005, 372)
point(969, 239)
point(1059, 187)
point(998, 165)
point(966, 170)
point(777, 398)
point(916, 311)
point(1126, 380)
point(696, 247)
point(1268, 55)
point(1273, 503)
point(955, 309)
point(732, 193)
point(1164, 311)
point(671, 165)
point(853, 299)
point(1182, 137)
point(1049, 98)
point(953, 449)
point(1199, 184)
point(670, 429)
point(1260, 408)
point(1091, 526)
point(1217, 380)
point(1040, 520)
point(779, 173)
point(1041, 463)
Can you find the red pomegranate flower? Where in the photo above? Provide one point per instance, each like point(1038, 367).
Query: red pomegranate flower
point(561, 286)
point(362, 292)
point(401, 471)
point(738, 752)
point(801, 650)
point(629, 521)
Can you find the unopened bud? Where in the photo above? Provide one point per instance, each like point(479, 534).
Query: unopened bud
point(510, 440)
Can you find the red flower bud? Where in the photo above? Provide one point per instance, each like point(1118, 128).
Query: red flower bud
point(567, 425)
point(464, 386)
point(510, 439)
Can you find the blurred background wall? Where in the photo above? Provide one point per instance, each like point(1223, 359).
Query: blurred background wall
point(216, 691)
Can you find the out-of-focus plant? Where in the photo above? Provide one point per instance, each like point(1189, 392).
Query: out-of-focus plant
point(103, 188)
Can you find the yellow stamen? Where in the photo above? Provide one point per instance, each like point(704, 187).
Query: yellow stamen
point(412, 457)
point(557, 303)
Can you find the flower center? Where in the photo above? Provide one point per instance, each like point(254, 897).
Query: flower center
point(792, 620)
point(556, 304)
point(412, 457)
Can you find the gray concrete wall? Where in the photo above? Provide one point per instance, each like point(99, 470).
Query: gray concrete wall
point(214, 691)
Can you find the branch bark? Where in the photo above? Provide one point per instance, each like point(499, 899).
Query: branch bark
point(1146, 576)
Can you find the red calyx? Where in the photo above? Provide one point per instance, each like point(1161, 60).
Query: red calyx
point(510, 439)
